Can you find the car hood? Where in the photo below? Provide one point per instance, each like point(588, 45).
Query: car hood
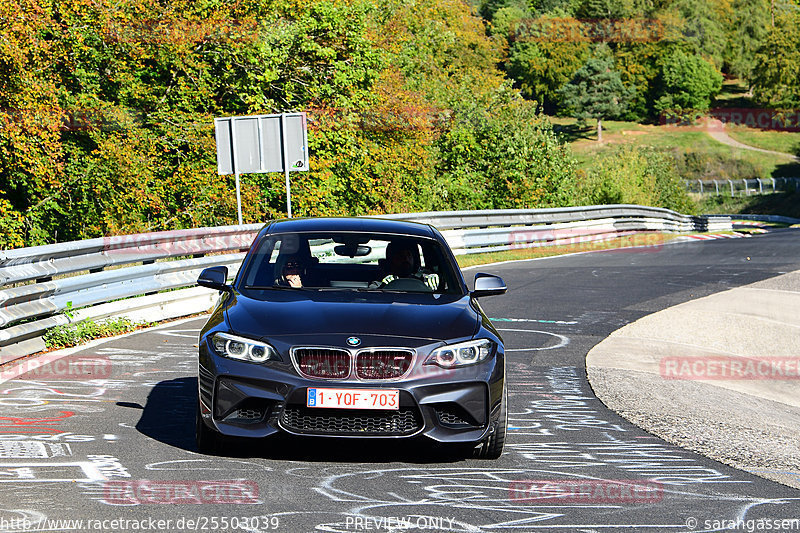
point(289, 313)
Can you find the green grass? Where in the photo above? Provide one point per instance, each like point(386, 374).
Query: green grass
point(584, 145)
point(734, 93)
point(787, 142)
point(642, 239)
point(784, 204)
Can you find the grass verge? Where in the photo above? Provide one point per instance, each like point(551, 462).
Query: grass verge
point(778, 141)
point(72, 335)
point(640, 241)
point(689, 143)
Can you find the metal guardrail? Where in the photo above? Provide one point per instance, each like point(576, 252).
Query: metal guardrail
point(766, 218)
point(58, 284)
point(743, 187)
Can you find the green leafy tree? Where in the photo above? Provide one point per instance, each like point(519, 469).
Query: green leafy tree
point(541, 63)
point(705, 27)
point(638, 67)
point(503, 156)
point(776, 76)
point(751, 23)
point(686, 82)
point(605, 9)
point(596, 91)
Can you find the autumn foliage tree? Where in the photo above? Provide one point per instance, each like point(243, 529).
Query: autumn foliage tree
point(108, 107)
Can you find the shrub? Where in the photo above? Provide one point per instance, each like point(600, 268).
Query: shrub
point(632, 175)
point(73, 335)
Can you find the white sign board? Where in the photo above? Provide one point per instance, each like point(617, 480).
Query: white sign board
point(262, 143)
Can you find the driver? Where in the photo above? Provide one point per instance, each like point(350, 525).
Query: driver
point(402, 261)
point(291, 274)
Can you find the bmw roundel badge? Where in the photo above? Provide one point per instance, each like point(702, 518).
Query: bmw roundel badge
point(353, 341)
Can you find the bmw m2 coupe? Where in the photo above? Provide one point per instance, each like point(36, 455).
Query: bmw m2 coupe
point(351, 327)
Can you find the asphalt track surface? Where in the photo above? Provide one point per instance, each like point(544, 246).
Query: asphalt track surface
point(121, 447)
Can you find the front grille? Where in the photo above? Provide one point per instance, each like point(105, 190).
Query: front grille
point(299, 419)
point(383, 364)
point(328, 363)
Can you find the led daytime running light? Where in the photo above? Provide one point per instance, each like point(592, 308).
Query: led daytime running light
point(242, 349)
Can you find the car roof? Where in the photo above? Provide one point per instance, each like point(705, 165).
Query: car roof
point(352, 224)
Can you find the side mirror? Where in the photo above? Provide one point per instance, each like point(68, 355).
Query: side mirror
point(488, 285)
point(214, 278)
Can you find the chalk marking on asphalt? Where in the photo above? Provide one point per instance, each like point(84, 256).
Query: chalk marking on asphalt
point(563, 340)
point(564, 322)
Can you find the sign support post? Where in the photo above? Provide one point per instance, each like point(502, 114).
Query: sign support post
point(236, 172)
point(286, 167)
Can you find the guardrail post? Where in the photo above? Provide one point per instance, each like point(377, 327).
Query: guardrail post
point(773, 185)
point(701, 185)
point(716, 187)
point(731, 182)
point(746, 190)
point(760, 186)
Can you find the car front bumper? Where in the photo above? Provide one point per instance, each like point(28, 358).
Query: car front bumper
point(241, 399)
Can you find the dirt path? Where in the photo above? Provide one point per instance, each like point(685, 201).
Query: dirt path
point(716, 129)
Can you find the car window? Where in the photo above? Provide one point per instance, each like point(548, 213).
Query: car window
point(350, 261)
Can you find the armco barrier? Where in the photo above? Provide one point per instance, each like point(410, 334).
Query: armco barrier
point(47, 286)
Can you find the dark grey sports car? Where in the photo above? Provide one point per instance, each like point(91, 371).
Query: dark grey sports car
point(351, 327)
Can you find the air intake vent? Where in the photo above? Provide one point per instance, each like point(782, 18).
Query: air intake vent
point(314, 421)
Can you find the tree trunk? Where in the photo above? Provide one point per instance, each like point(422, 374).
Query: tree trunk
point(599, 130)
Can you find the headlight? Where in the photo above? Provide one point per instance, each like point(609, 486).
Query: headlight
point(461, 354)
point(243, 349)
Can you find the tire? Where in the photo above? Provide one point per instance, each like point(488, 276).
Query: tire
point(209, 442)
point(492, 446)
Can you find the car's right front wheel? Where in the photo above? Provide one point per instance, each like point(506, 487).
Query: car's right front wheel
point(492, 445)
point(209, 442)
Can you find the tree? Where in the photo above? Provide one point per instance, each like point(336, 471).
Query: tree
point(750, 29)
point(776, 76)
point(596, 91)
point(686, 82)
point(705, 27)
point(543, 61)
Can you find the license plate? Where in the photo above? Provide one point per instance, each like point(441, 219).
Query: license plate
point(354, 398)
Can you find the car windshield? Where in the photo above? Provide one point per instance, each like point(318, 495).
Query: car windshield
point(350, 261)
